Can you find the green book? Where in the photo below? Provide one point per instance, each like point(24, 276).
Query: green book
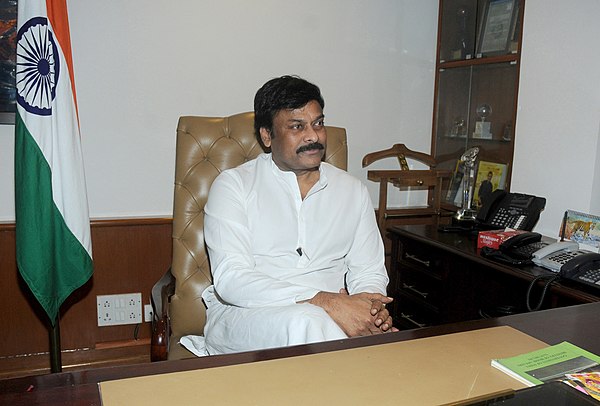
point(549, 364)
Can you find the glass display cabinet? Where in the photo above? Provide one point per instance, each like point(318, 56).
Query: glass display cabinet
point(476, 88)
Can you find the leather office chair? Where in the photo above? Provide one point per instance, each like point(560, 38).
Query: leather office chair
point(205, 147)
point(430, 180)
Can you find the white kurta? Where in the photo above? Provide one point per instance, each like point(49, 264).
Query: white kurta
point(270, 249)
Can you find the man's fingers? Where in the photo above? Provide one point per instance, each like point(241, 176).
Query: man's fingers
point(376, 296)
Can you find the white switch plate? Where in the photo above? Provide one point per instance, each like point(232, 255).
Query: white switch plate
point(114, 310)
point(148, 313)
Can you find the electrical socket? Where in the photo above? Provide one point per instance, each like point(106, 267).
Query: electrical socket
point(148, 312)
point(114, 310)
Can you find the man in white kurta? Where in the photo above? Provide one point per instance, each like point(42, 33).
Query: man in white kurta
point(293, 245)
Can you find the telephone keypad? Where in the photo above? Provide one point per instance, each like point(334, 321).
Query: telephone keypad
point(563, 257)
point(509, 217)
point(591, 276)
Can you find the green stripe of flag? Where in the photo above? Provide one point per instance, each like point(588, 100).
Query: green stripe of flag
point(50, 258)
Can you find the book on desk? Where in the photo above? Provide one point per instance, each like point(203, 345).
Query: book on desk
point(563, 362)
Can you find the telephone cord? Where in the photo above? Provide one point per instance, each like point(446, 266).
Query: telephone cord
point(544, 290)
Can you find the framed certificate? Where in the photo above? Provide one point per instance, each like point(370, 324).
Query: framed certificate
point(8, 59)
point(497, 27)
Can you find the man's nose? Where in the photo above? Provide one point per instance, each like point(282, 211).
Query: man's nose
point(311, 135)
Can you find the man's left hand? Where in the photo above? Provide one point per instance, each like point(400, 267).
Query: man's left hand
point(383, 320)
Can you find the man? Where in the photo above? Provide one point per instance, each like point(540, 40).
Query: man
point(295, 252)
point(486, 188)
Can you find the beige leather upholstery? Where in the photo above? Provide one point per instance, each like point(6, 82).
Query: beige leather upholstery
point(205, 147)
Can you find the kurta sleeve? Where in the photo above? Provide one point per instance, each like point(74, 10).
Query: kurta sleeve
point(366, 258)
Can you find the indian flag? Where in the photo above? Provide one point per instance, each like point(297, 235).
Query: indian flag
point(54, 250)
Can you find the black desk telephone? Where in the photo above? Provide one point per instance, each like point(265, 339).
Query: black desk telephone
point(513, 210)
point(517, 250)
point(502, 210)
point(563, 257)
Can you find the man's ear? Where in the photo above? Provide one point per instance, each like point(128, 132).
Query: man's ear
point(265, 136)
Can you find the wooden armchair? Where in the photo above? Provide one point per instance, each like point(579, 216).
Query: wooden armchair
point(205, 147)
point(404, 177)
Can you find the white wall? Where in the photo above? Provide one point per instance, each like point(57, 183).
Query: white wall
point(557, 149)
point(139, 65)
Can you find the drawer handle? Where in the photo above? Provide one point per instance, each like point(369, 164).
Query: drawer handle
point(412, 289)
point(409, 318)
point(415, 258)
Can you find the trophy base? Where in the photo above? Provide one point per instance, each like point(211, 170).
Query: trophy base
point(482, 130)
point(465, 215)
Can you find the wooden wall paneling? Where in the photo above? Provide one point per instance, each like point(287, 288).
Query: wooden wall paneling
point(20, 315)
point(130, 255)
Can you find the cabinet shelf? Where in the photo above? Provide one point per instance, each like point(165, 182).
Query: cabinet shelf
point(463, 139)
point(469, 82)
point(510, 58)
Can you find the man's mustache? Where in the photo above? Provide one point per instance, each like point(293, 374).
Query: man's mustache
point(308, 147)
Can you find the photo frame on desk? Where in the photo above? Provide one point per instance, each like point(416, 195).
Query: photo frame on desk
point(490, 176)
point(583, 228)
point(497, 27)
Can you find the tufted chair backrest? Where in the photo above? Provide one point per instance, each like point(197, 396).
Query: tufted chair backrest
point(205, 147)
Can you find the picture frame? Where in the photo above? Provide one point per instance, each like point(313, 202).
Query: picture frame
point(493, 175)
point(8, 61)
point(583, 228)
point(497, 27)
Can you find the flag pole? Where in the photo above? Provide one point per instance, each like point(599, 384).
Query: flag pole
point(55, 355)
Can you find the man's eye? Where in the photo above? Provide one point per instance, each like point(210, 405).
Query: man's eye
point(320, 123)
point(297, 126)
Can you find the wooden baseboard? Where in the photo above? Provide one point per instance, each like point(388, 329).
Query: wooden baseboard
point(106, 354)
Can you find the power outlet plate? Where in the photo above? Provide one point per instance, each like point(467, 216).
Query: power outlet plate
point(148, 313)
point(115, 310)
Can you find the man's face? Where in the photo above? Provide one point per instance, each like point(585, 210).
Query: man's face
point(299, 139)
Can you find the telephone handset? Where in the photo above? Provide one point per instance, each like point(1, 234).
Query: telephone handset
point(513, 210)
point(555, 255)
point(517, 250)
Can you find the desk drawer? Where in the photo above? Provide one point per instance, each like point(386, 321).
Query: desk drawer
point(413, 315)
point(422, 259)
point(421, 287)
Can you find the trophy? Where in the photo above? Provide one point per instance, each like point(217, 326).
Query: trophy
point(458, 128)
point(466, 213)
point(507, 135)
point(482, 128)
point(460, 51)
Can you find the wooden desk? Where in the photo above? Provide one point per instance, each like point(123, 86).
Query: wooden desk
point(577, 324)
point(439, 277)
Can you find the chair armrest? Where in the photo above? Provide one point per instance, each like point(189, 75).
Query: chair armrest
point(161, 329)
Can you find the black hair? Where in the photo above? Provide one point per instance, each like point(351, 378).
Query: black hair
point(283, 93)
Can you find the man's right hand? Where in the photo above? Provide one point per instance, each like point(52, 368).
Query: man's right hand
point(353, 313)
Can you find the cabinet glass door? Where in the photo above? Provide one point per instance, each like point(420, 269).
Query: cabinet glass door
point(458, 26)
point(475, 108)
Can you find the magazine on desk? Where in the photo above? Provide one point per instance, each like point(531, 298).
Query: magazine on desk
point(561, 362)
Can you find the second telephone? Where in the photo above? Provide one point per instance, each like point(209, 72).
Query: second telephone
point(565, 258)
point(570, 262)
point(513, 210)
point(517, 250)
